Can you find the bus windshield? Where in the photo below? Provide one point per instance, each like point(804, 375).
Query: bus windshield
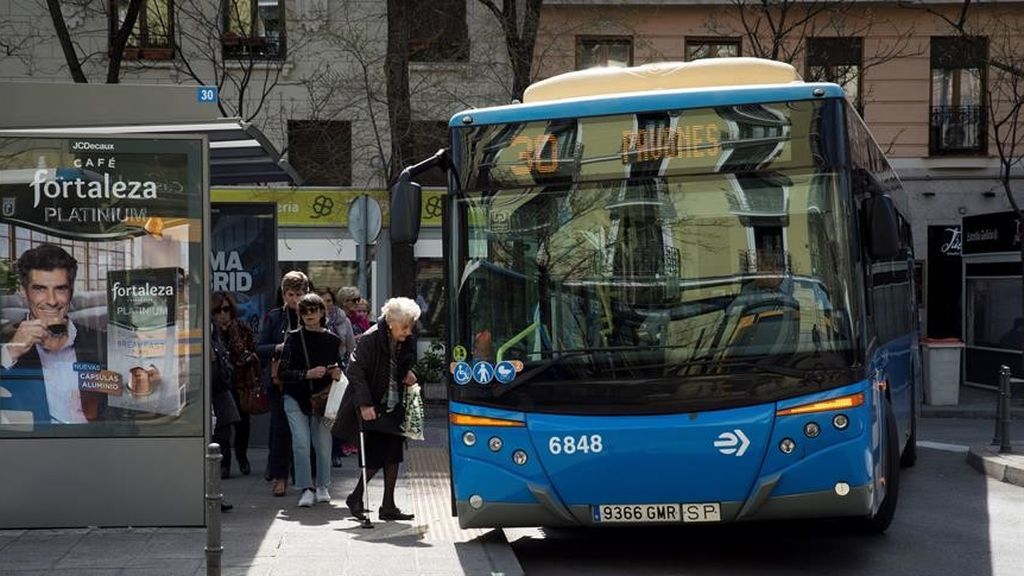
point(686, 281)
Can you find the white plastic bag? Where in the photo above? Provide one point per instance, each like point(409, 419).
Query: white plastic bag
point(334, 398)
point(412, 427)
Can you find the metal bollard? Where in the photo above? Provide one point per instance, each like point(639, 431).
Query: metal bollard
point(213, 501)
point(1002, 435)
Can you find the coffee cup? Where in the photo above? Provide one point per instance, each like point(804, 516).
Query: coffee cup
point(143, 381)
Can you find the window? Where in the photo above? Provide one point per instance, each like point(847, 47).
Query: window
point(438, 31)
point(254, 29)
point(840, 61)
point(430, 297)
point(697, 48)
point(958, 115)
point(321, 151)
point(429, 136)
point(152, 38)
point(594, 51)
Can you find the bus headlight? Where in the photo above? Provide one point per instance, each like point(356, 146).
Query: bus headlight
point(519, 457)
point(840, 421)
point(811, 430)
point(469, 439)
point(787, 446)
point(494, 444)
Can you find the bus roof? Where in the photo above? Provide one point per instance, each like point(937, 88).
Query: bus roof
point(653, 87)
point(705, 73)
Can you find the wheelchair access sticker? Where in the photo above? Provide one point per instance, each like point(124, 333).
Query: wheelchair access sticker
point(462, 373)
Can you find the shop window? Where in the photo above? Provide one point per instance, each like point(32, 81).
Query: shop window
point(958, 114)
point(327, 274)
point(993, 308)
point(152, 38)
point(429, 136)
point(430, 295)
point(254, 29)
point(840, 61)
point(321, 151)
point(698, 48)
point(594, 51)
point(438, 31)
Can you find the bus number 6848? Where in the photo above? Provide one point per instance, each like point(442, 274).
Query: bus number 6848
point(573, 444)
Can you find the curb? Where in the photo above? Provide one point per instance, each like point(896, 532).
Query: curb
point(1016, 412)
point(1007, 468)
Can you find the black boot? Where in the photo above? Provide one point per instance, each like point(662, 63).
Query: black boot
point(393, 514)
point(355, 505)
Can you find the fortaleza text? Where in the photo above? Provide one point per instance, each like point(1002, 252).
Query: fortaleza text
point(90, 190)
point(146, 290)
point(93, 215)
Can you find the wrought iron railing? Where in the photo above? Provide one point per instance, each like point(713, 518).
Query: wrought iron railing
point(269, 47)
point(958, 130)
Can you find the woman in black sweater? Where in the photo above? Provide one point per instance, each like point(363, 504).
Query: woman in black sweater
point(309, 363)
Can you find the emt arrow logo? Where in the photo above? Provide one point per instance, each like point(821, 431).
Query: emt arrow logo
point(734, 442)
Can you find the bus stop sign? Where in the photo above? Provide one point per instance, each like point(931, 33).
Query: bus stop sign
point(364, 219)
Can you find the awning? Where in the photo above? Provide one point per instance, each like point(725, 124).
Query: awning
point(239, 152)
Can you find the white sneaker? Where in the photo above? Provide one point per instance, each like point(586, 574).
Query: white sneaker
point(322, 495)
point(307, 498)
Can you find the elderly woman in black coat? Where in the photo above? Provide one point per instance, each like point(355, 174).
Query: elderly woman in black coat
point(379, 372)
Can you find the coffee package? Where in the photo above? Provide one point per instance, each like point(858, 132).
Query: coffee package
point(143, 339)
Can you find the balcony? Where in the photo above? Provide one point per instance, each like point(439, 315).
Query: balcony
point(149, 46)
point(957, 130)
point(269, 47)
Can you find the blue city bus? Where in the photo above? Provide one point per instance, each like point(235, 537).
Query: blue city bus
point(679, 293)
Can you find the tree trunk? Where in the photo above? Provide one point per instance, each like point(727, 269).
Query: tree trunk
point(120, 40)
point(403, 262)
point(396, 68)
point(61, 28)
point(525, 42)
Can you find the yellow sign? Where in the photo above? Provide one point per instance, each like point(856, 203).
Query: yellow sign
point(324, 207)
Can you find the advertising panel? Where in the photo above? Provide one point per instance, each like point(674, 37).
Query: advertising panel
point(101, 286)
point(243, 258)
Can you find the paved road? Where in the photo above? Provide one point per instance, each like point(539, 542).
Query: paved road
point(950, 520)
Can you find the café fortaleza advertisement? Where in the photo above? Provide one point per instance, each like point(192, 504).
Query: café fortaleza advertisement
point(101, 259)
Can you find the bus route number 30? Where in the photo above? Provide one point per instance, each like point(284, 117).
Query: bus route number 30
point(572, 444)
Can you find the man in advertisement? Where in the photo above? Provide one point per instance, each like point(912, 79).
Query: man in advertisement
point(38, 359)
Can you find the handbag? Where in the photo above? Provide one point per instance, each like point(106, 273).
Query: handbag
point(412, 424)
point(253, 400)
point(252, 397)
point(275, 379)
point(275, 361)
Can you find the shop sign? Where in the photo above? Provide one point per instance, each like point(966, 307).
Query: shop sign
point(324, 207)
point(988, 233)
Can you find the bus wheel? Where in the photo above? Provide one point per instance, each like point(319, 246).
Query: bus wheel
point(880, 521)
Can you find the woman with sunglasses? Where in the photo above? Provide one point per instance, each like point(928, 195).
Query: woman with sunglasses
point(309, 363)
point(231, 350)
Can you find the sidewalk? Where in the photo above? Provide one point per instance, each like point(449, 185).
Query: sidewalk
point(266, 536)
point(980, 403)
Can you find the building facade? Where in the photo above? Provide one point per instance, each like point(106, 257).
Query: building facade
point(311, 75)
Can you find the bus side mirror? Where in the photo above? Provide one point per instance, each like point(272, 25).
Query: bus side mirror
point(406, 200)
point(882, 229)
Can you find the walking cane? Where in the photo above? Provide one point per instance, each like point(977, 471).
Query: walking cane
point(364, 520)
